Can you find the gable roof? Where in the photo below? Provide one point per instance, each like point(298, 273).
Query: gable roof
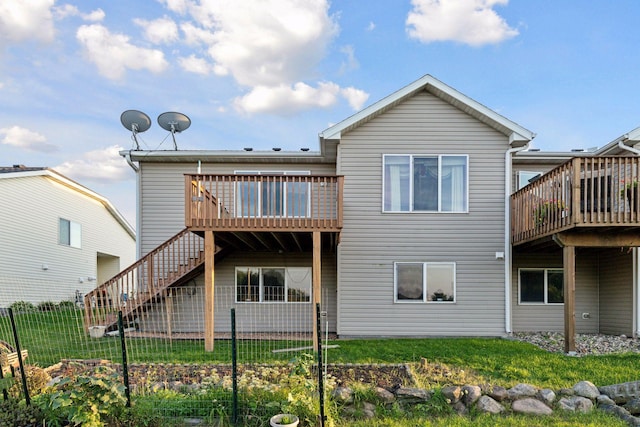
point(20, 171)
point(518, 136)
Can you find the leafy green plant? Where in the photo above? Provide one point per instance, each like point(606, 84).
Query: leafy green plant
point(17, 414)
point(87, 400)
point(548, 209)
point(22, 307)
point(47, 306)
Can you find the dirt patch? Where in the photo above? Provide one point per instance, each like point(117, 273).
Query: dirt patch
point(141, 375)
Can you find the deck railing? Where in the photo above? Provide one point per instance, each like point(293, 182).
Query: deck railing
point(584, 192)
point(144, 280)
point(254, 202)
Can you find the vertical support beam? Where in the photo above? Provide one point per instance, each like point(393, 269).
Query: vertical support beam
point(569, 261)
point(209, 260)
point(316, 283)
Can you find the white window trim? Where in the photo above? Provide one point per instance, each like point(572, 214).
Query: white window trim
point(546, 287)
point(284, 189)
point(261, 290)
point(439, 211)
point(425, 285)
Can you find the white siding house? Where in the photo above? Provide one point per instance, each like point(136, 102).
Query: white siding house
point(59, 239)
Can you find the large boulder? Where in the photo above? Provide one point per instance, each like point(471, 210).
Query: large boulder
point(530, 406)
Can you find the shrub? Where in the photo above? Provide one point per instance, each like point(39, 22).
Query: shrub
point(17, 414)
point(47, 306)
point(67, 305)
point(37, 379)
point(22, 307)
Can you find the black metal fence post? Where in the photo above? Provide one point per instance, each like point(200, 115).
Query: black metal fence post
point(23, 374)
point(234, 369)
point(125, 367)
point(5, 393)
point(320, 367)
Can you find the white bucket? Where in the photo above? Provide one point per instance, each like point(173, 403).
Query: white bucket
point(97, 331)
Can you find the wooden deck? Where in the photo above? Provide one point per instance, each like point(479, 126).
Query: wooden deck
point(263, 202)
point(597, 195)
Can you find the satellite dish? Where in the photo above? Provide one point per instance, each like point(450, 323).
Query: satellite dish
point(136, 121)
point(174, 122)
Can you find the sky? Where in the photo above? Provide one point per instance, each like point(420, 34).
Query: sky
point(276, 73)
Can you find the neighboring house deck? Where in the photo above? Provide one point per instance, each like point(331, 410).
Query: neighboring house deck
point(585, 202)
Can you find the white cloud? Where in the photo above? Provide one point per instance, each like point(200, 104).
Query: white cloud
point(113, 54)
point(285, 99)
point(25, 20)
point(265, 42)
point(158, 31)
point(351, 63)
point(195, 65)
point(473, 22)
point(355, 97)
point(27, 139)
point(66, 10)
point(98, 165)
point(371, 26)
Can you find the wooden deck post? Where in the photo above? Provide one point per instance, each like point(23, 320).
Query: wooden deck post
point(316, 283)
point(569, 261)
point(209, 258)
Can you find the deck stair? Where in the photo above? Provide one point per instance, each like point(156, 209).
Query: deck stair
point(131, 291)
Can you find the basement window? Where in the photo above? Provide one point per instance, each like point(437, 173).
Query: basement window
point(273, 284)
point(541, 286)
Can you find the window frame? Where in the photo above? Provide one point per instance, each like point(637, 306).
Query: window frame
point(425, 282)
point(439, 158)
point(73, 233)
point(257, 211)
point(261, 291)
point(533, 175)
point(546, 271)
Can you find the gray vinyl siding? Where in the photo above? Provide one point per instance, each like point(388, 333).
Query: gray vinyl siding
point(188, 307)
point(616, 292)
point(30, 213)
point(162, 194)
point(372, 241)
point(550, 317)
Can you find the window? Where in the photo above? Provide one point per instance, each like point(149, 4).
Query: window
point(272, 196)
point(425, 281)
point(541, 286)
point(273, 284)
point(527, 177)
point(69, 233)
point(425, 183)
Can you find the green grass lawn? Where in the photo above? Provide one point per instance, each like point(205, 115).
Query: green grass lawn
point(56, 335)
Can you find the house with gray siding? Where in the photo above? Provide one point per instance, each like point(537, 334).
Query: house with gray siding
point(425, 214)
point(59, 238)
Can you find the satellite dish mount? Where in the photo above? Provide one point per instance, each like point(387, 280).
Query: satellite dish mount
point(174, 122)
point(136, 121)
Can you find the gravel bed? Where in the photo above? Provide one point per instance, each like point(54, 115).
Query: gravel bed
point(585, 343)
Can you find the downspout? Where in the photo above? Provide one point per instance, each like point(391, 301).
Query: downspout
point(636, 256)
point(507, 234)
point(136, 169)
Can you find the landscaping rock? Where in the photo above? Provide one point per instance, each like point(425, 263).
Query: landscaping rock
point(575, 403)
point(633, 406)
point(343, 394)
point(460, 408)
point(498, 393)
point(452, 393)
point(385, 395)
point(530, 406)
point(622, 393)
point(489, 405)
point(603, 399)
point(470, 394)
point(586, 389)
point(413, 395)
point(369, 410)
point(566, 392)
point(521, 390)
point(547, 396)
